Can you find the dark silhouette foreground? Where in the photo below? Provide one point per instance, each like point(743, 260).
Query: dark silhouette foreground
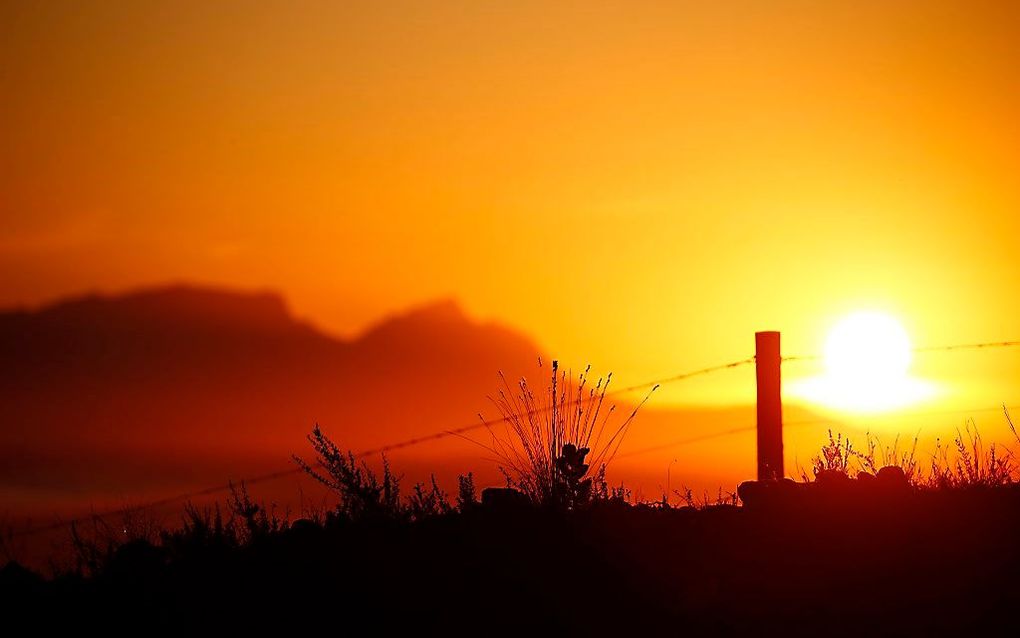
point(829, 561)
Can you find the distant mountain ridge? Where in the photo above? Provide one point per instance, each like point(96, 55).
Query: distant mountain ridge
point(186, 322)
point(185, 371)
point(182, 307)
point(179, 302)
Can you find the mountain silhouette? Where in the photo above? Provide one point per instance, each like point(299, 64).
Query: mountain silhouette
point(188, 383)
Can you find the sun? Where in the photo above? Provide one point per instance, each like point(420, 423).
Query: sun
point(867, 358)
point(867, 348)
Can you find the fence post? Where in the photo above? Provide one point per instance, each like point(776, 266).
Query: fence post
point(770, 406)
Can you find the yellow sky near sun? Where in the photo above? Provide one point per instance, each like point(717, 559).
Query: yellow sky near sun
point(640, 185)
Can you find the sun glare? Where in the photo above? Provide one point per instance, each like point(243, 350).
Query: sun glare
point(867, 359)
point(867, 348)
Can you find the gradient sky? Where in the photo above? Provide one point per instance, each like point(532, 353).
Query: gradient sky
point(639, 185)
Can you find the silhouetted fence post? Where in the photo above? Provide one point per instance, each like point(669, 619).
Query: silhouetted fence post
point(770, 406)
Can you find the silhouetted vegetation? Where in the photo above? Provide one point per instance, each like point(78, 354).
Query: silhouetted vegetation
point(967, 463)
point(556, 445)
point(359, 491)
point(870, 538)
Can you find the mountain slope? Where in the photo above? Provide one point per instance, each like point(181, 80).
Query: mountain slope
point(185, 375)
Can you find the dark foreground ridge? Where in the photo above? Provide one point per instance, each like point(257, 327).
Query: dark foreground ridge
point(845, 559)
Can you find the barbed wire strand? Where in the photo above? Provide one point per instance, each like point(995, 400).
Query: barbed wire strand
point(215, 489)
point(208, 491)
point(962, 346)
point(802, 422)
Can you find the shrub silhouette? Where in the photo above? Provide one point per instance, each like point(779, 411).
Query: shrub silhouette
point(428, 501)
point(467, 496)
point(259, 521)
point(571, 470)
point(204, 532)
point(95, 541)
point(360, 492)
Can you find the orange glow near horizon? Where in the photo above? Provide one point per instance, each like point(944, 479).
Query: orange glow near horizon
point(638, 185)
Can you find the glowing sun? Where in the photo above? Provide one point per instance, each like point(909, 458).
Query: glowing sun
point(867, 358)
point(867, 348)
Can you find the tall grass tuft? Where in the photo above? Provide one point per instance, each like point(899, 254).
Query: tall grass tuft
point(878, 456)
point(555, 445)
point(834, 458)
point(973, 464)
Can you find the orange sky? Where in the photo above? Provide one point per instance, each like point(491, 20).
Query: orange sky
point(639, 185)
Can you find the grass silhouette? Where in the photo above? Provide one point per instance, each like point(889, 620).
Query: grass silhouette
point(967, 463)
point(943, 536)
point(557, 443)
